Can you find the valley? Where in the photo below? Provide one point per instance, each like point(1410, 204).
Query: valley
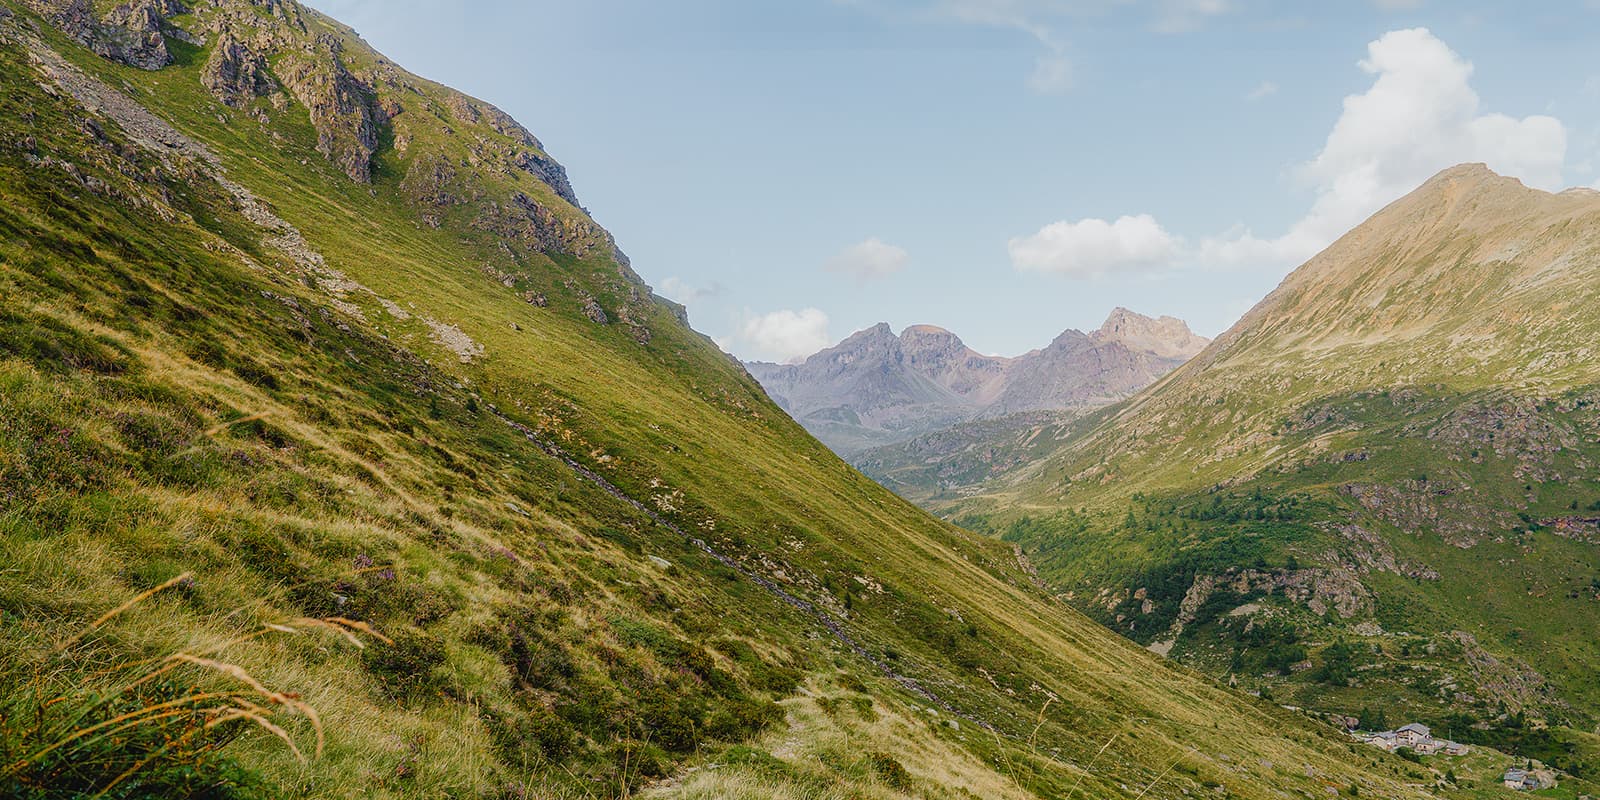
point(346, 455)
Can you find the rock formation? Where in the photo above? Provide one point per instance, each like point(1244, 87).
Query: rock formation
point(876, 388)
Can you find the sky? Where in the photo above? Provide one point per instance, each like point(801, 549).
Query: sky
point(797, 170)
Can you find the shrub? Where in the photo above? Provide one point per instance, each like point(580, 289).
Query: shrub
point(890, 771)
point(405, 668)
point(539, 731)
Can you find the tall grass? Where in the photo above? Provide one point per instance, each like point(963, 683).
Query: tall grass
point(73, 726)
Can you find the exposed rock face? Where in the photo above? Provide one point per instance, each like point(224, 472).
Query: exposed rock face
point(538, 227)
point(529, 155)
point(1079, 369)
point(235, 73)
point(130, 33)
point(876, 388)
point(343, 109)
point(1163, 337)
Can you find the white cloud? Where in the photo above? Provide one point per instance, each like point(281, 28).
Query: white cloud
point(782, 335)
point(1420, 116)
point(1262, 91)
point(1094, 247)
point(869, 260)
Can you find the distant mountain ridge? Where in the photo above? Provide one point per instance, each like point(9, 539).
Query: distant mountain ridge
point(876, 388)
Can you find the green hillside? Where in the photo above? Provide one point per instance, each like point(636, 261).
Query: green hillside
point(343, 455)
point(1377, 491)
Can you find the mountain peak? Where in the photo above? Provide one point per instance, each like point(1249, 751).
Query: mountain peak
point(1166, 337)
point(930, 337)
point(875, 333)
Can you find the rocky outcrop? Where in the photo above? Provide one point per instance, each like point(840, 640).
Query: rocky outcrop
point(540, 228)
point(1509, 681)
point(1449, 510)
point(344, 110)
point(1162, 337)
point(235, 73)
point(526, 152)
point(432, 181)
point(131, 33)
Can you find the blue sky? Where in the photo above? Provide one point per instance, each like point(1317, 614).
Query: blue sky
point(795, 170)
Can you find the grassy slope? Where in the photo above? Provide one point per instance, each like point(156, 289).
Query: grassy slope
point(166, 414)
point(1429, 380)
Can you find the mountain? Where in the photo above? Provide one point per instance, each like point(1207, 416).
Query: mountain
point(875, 388)
point(345, 455)
point(1377, 490)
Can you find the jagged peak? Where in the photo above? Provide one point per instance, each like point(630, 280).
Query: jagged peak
point(866, 337)
point(1164, 336)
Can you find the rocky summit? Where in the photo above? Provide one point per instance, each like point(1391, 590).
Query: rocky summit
point(876, 388)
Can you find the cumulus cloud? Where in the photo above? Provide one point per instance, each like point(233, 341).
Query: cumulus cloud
point(784, 335)
point(1420, 116)
point(869, 260)
point(1092, 248)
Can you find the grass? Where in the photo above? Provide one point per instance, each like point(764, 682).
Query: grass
point(182, 396)
point(148, 727)
point(837, 741)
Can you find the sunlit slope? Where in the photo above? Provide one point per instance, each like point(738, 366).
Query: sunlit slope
point(1472, 282)
point(601, 555)
point(1377, 490)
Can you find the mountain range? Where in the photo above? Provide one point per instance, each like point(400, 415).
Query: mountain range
point(876, 388)
point(345, 454)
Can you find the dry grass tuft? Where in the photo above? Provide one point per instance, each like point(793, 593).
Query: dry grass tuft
point(158, 721)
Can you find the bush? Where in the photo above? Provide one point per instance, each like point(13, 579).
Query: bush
point(890, 771)
point(405, 668)
point(539, 730)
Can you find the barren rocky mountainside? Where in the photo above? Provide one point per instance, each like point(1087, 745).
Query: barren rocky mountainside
point(1379, 490)
point(342, 454)
point(876, 388)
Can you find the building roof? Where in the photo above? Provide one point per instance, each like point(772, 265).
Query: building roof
point(1515, 774)
point(1415, 727)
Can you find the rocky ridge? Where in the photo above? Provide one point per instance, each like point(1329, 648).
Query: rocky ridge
point(876, 388)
